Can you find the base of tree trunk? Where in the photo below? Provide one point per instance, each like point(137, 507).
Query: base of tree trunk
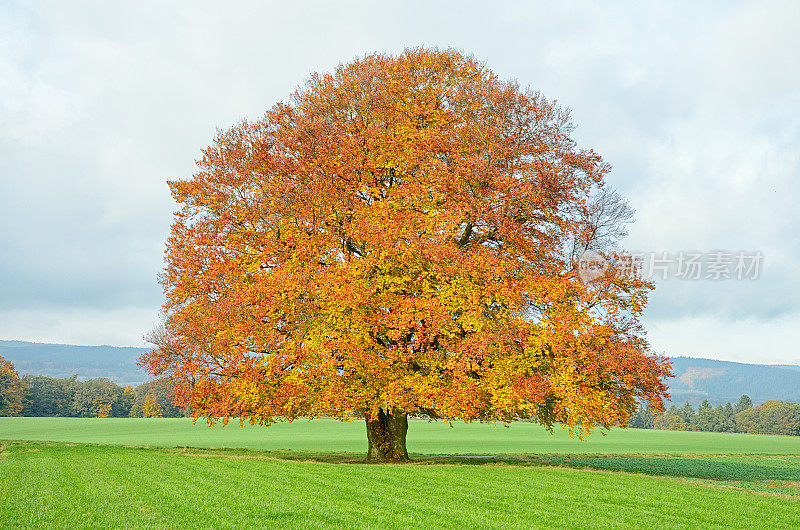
point(386, 436)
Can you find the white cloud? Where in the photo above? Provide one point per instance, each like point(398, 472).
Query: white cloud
point(745, 340)
point(124, 326)
point(696, 106)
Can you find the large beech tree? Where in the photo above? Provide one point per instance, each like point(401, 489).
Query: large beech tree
point(400, 238)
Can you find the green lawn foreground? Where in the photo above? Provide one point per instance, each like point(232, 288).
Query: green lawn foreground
point(423, 437)
point(74, 485)
point(74, 472)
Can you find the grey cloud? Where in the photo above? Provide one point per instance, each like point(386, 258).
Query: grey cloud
point(696, 106)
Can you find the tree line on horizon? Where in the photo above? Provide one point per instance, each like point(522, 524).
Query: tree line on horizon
point(773, 417)
point(41, 395)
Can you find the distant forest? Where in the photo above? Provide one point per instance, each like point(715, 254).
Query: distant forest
point(41, 395)
point(773, 417)
point(695, 381)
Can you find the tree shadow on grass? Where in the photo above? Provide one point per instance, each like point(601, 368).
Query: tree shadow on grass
point(751, 469)
point(358, 458)
point(719, 469)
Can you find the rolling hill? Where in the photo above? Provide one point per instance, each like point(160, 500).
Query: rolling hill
point(695, 379)
point(723, 381)
point(64, 360)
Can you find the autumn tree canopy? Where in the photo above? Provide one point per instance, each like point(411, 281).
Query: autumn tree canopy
point(397, 238)
point(12, 389)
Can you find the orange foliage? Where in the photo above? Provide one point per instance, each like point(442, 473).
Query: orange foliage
point(397, 236)
point(102, 409)
point(151, 407)
point(12, 389)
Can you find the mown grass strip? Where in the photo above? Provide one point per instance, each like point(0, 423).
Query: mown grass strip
point(58, 485)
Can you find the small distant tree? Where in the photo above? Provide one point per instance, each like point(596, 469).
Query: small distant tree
point(122, 407)
point(643, 418)
point(673, 419)
point(706, 419)
point(151, 408)
point(103, 409)
point(12, 389)
point(687, 414)
point(744, 403)
point(160, 389)
point(726, 418)
point(96, 397)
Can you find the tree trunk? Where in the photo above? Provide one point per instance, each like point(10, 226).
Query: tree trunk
point(386, 436)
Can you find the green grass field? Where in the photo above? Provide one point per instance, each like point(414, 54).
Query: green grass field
point(423, 437)
point(65, 472)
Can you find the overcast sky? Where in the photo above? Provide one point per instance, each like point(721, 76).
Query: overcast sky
point(697, 107)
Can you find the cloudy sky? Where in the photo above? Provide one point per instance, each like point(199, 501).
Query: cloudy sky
point(697, 107)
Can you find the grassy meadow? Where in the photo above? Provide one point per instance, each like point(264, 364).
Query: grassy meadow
point(68, 472)
point(423, 437)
